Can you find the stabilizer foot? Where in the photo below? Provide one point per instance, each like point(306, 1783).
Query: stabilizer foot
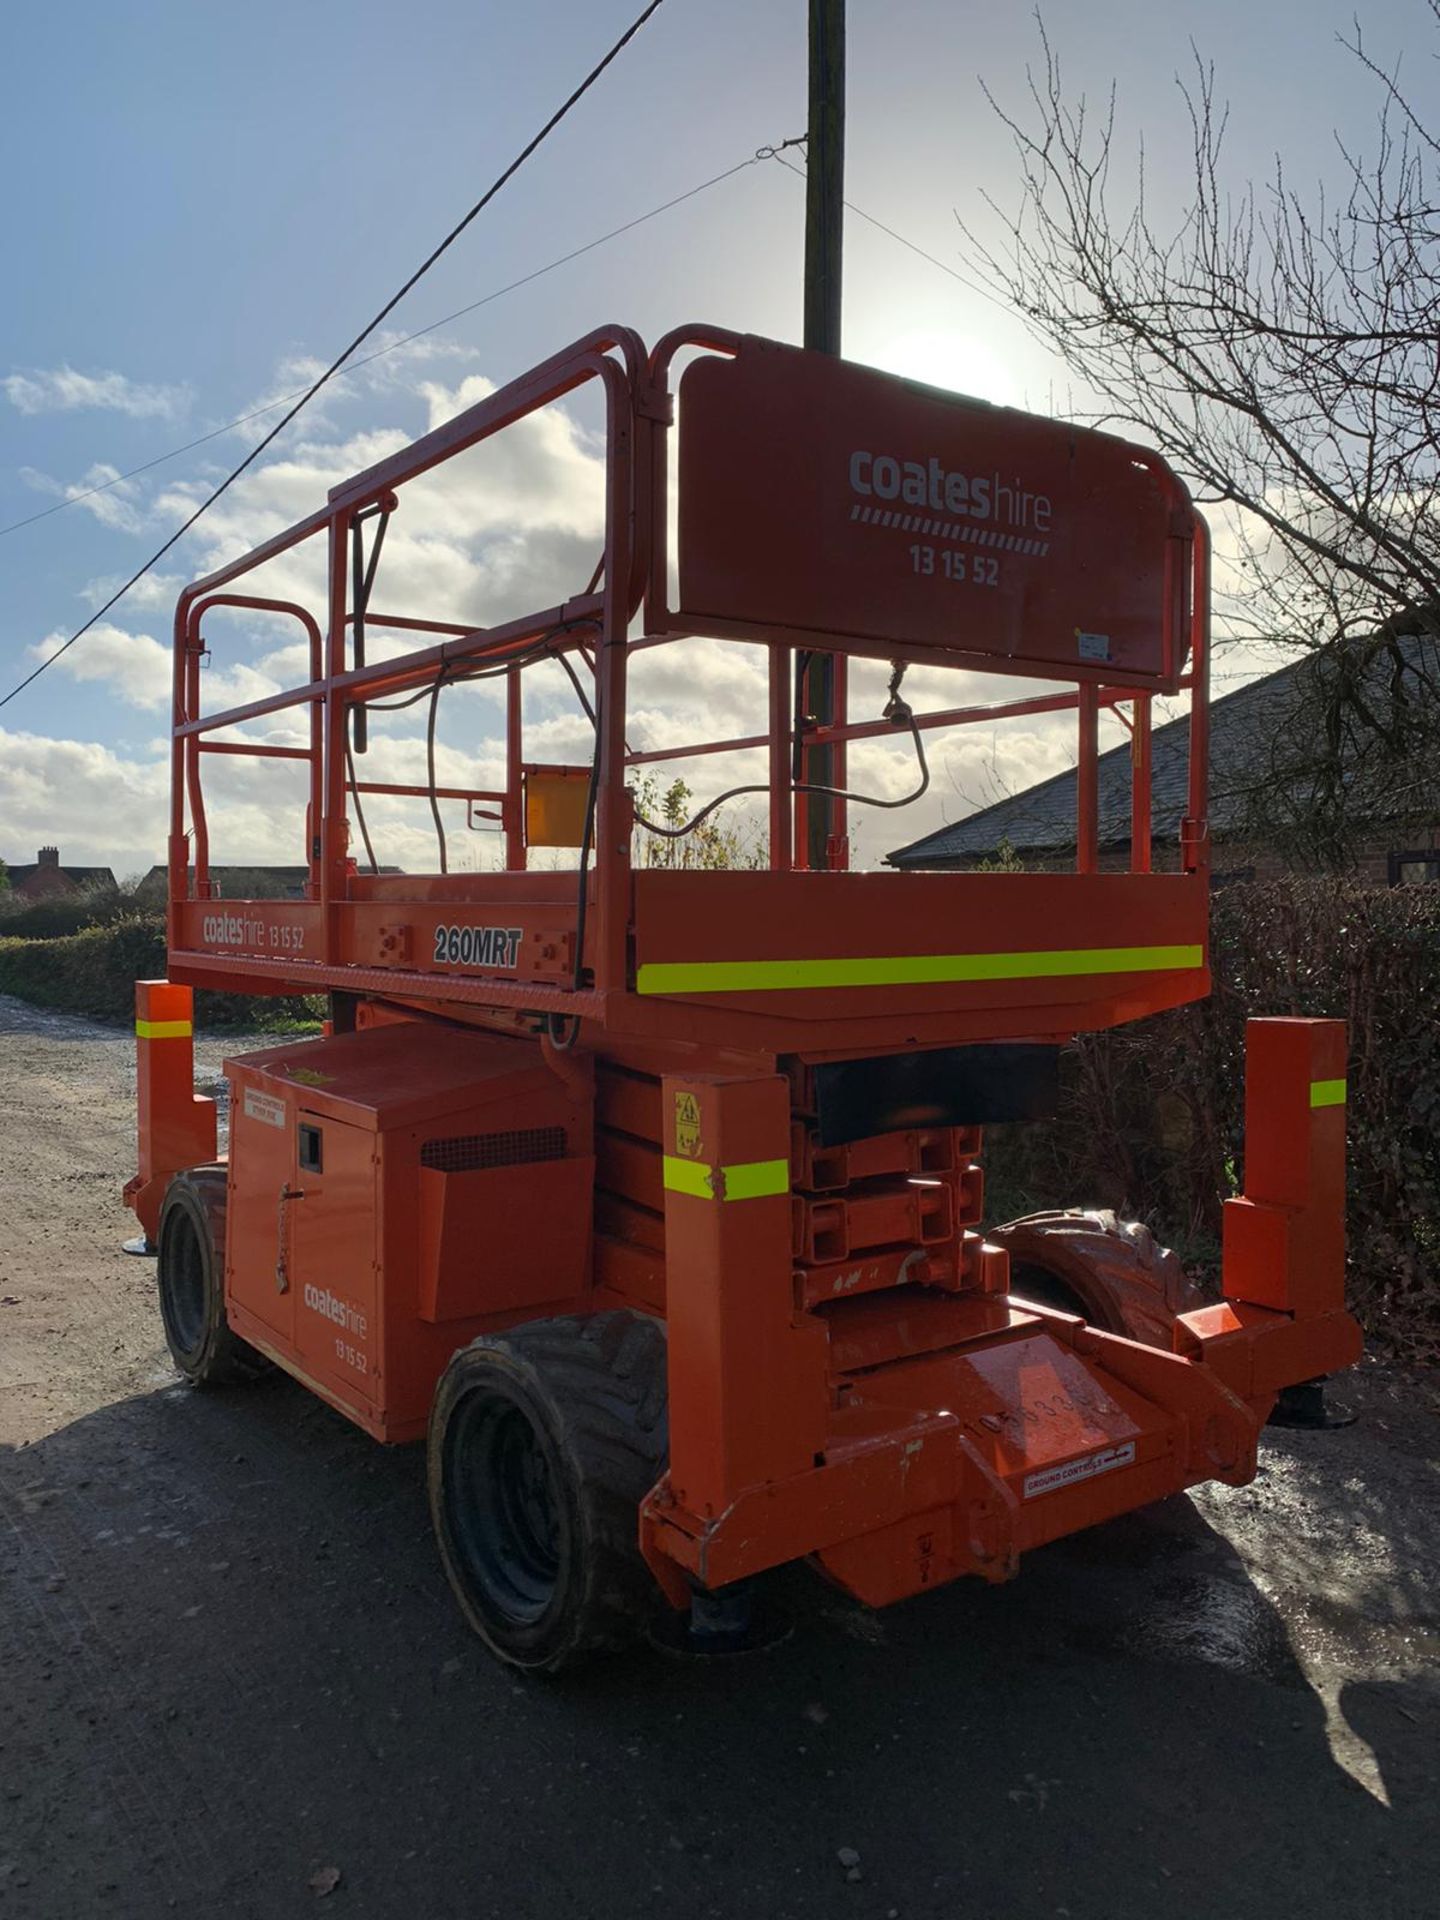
point(726, 1621)
point(1303, 1406)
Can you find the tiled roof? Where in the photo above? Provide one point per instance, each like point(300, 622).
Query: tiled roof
point(1248, 733)
point(82, 876)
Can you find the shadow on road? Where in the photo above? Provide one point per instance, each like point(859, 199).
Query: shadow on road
point(229, 1659)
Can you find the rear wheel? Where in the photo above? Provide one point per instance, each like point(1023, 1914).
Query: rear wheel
point(543, 1442)
point(191, 1274)
point(1113, 1273)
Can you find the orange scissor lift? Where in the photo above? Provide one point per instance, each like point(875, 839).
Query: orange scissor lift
point(653, 1195)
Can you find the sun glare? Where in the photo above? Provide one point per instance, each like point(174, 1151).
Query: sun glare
point(949, 358)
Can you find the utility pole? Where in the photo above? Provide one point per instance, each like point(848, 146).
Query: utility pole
point(823, 692)
point(825, 176)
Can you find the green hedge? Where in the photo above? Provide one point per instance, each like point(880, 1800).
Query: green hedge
point(1151, 1116)
point(94, 972)
point(55, 914)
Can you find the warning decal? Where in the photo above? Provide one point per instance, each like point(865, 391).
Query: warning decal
point(264, 1106)
point(1051, 1478)
point(687, 1125)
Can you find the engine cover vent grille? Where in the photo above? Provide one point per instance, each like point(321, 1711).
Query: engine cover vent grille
point(468, 1152)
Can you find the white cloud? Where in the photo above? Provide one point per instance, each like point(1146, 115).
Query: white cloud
point(113, 501)
point(513, 525)
point(97, 806)
point(64, 390)
point(155, 590)
point(108, 808)
point(136, 666)
point(386, 364)
point(398, 357)
point(105, 807)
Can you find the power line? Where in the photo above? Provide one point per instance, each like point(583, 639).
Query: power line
point(335, 365)
point(257, 413)
point(499, 293)
point(513, 286)
point(973, 286)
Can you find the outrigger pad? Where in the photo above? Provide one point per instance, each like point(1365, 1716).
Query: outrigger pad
point(945, 1087)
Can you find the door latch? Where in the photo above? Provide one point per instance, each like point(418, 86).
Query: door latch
point(282, 1269)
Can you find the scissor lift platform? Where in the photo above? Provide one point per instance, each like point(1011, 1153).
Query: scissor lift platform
point(658, 1194)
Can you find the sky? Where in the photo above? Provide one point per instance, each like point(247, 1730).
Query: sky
point(203, 203)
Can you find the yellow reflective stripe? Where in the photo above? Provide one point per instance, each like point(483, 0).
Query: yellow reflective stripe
point(908, 970)
point(755, 1179)
point(1327, 1093)
point(164, 1029)
point(687, 1176)
point(745, 1180)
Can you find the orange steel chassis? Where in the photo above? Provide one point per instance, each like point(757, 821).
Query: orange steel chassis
point(849, 1378)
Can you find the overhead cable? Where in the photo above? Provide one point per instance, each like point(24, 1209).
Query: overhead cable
point(335, 365)
point(394, 346)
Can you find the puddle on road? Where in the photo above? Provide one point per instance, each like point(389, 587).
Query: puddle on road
point(1295, 1603)
point(1219, 1622)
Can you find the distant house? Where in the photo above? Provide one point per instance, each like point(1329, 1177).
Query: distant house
point(232, 883)
point(45, 877)
point(236, 883)
point(1270, 754)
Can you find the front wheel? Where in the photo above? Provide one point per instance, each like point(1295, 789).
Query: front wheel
point(543, 1442)
point(190, 1270)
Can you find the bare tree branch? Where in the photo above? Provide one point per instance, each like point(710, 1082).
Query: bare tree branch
point(1283, 351)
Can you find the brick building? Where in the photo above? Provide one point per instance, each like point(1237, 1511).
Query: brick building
point(45, 877)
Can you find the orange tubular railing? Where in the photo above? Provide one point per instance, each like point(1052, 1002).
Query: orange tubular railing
point(639, 410)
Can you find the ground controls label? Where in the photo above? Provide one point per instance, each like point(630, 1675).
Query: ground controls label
point(264, 1107)
point(1049, 1479)
point(477, 946)
point(687, 1125)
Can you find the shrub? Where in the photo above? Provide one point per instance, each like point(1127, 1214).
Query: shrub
point(94, 972)
point(716, 843)
point(56, 914)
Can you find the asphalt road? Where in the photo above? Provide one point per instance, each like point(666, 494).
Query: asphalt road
point(229, 1663)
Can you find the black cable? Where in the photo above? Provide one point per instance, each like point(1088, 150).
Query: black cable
point(803, 657)
point(359, 810)
point(362, 585)
point(364, 333)
point(513, 286)
point(555, 1026)
point(800, 786)
point(896, 710)
point(587, 835)
point(430, 768)
point(531, 656)
point(541, 650)
point(971, 286)
point(394, 346)
point(398, 706)
point(554, 1022)
point(580, 694)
